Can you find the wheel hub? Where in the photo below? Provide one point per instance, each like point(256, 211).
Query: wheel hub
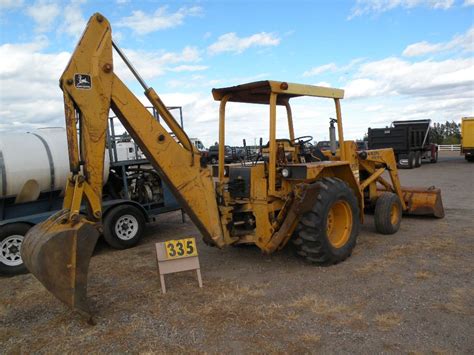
point(339, 224)
point(394, 214)
point(10, 250)
point(126, 227)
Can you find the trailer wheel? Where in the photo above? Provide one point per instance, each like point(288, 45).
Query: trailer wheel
point(417, 159)
point(434, 159)
point(328, 233)
point(123, 226)
point(388, 213)
point(411, 160)
point(11, 237)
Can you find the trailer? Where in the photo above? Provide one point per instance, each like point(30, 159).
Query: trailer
point(33, 173)
point(411, 142)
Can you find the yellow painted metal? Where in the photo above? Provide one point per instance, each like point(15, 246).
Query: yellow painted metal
point(339, 224)
point(372, 178)
point(272, 146)
point(395, 214)
point(246, 92)
point(467, 133)
point(423, 201)
point(289, 114)
point(171, 122)
point(191, 185)
point(340, 131)
point(71, 133)
point(222, 137)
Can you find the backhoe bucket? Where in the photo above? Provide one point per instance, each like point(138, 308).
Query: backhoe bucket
point(423, 201)
point(58, 254)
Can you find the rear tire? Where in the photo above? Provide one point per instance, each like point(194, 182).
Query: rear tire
point(328, 233)
point(411, 160)
point(388, 213)
point(11, 237)
point(123, 226)
point(417, 159)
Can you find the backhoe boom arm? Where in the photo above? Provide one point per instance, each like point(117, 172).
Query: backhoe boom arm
point(58, 250)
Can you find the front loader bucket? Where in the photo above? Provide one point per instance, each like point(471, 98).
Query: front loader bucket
point(58, 254)
point(423, 201)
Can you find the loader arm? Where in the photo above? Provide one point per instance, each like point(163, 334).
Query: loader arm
point(58, 250)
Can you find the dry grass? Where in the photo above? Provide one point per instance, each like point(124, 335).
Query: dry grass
point(310, 338)
point(461, 301)
point(341, 314)
point(387, 321)
point(423, 275)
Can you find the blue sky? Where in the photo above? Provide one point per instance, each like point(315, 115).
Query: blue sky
point(396, 59)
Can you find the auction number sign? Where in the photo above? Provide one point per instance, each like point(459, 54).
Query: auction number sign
point(181, 248)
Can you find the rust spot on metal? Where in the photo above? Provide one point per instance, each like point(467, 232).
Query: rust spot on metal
point(107, 68)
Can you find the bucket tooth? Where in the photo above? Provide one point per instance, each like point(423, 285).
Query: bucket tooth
point(58, 255)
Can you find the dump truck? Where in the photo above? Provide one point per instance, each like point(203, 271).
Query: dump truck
point(283, 194)
point(467, 138)
point(410, 140)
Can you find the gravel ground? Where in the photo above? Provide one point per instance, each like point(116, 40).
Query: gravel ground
point(410, 292)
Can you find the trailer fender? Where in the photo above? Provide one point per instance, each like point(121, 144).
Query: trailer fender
point(108, 205)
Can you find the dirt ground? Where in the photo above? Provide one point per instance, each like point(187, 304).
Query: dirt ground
point(410, 292)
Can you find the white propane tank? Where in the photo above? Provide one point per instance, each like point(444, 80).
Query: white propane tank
point(35, 162)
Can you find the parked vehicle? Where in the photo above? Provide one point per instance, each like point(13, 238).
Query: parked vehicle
point(362, 145)
point(33, 178)
point(467, 138)
point(230, 154)
point(325, 145)
point(410, 141)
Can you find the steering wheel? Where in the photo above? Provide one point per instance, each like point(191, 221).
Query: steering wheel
point(302, 139)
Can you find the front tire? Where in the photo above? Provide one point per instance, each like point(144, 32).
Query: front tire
point(123, 226)
point(11, 238)
point(328, 233)
point(388, 213)
point(434, 159)
point(417, 159)
point(411, 160)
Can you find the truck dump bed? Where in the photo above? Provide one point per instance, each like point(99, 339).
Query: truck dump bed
point(401, 137)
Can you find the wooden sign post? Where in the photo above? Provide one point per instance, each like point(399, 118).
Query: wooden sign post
point(176, 256)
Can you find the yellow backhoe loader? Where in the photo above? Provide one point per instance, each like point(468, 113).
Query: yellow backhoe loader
point(287, 192)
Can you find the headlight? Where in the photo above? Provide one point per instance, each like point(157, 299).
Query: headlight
point(285, 172)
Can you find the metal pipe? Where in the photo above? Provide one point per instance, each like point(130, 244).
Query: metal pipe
point(130, 66)
point(332, 136)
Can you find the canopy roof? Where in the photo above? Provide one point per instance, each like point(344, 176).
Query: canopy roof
point(259, 92)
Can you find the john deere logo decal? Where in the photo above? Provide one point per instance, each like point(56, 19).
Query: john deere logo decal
point(82, 81)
